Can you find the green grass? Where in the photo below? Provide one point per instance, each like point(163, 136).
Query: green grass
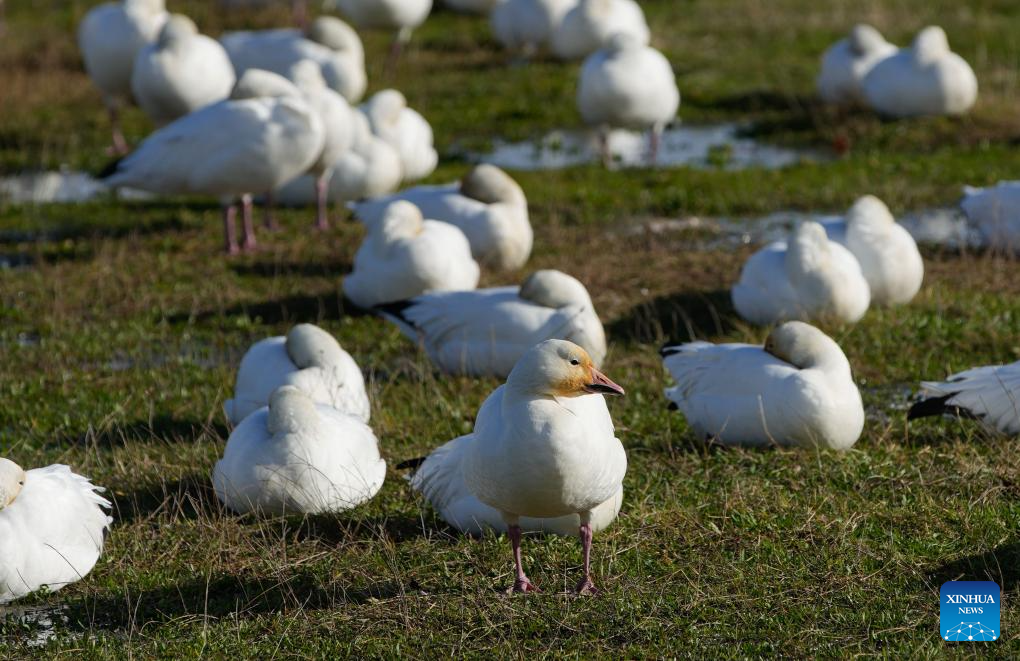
point(119, 340)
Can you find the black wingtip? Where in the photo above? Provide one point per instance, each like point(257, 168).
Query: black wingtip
point(411, 464)
point(668, 350)
point(110, 168)
point(933, 406)
point(673, 406)
point(395, 309)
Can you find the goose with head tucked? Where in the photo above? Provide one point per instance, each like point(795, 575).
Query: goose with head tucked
point(806, 277)
point(263, 135)
point(486, 331)
point(797, 390)
point(405, 130)
point(487, 205)
point(925, 79)
point(298, 457)
point(886, 252)
point(590, 24)
point(52, 527)
point(525, 26)
point(848, 61)
point(995, 211)
point(181, 72)
point(990, 394)
point(329, 42)
point(109, 37)
point(405, 255)
point(543, 448)
point(308, 358)
point(628, 85)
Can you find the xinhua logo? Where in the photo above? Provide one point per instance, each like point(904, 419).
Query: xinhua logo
point(969, 611)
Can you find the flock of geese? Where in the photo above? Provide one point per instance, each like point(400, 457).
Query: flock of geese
point(270, 114)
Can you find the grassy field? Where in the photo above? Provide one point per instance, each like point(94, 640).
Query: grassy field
point(121, 332)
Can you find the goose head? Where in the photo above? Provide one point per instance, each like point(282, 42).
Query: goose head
point(307, 77)
point(558, 368)
point(400, 220)
point(334, 34)
point(930, 44)
point(256, 83)
point(554, 289)
point(807, 248)
point(869, 210)
point(308, 346)
point(384, 109)
point(865, 39)
point(487, 183)
point(12, 479)
point(803, 346)
point(178, 29)
point(290, 410)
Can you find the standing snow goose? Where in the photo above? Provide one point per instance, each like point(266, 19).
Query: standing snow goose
point(887, 254)
point(797, 390)
point(401, 16)
point(527, 25)
point(405, 130)
point(298, 457)
point(487, 205)
point(627, 85)
point(990, 394)
point(263, 135)
point(544, 455)
point(807, 277)
point(485, 332)
point(110, 36)
point(591, 24)
point(330, 43)
point(925, 79)
point(181, 72)
point(848, 61)
point(52, 524)
point(996, 212)
point(405, 255)
point(308, 358)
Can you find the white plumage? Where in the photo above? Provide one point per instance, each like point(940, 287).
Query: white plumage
point(486, 331)
point(405, 255)
point(487, 205)
point(798, 390)
point(181, 72)
point(991, 394)
point(402, 15)
point(848, 61)
point(886, 252)
point(925, 79)
point(308, 358)
point(52, 526)
point(298, 457)
point(405, 130)
point(527, 25)
point(807, 277)
point(590, 25)
point(996, 212)
point(329, 42)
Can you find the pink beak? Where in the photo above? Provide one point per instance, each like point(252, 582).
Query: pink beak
point(602, 384)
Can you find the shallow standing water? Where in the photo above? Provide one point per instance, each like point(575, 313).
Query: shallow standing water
point(61, 187)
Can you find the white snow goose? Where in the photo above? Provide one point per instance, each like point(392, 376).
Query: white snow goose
point(590, 24)
point(996, 213)
point(405, 130)
point(848, 61)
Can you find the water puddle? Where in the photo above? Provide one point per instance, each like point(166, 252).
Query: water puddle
point(61, 187)
point(15, 260)
point(33, 626)
point(199, 355)
point(716, 146)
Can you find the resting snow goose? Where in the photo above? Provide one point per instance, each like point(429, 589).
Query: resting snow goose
point(996, 212)
point(797, 390)
point(487, 205)
point(181, 72)
point(925, 79)
point(627, 85)
point(308, 358)
point(527, 25)
point(405, 130)
point(329, 42)
point(848, 61)
point(807, 277)
point(298, 457)
point(544, 454)
point(263, 135)
point(52, 524)
point(109, 37)
point(886, 252)
point(990, 394)
point(405, 255)
point(590, 24)
point(485, 332)
point(401, 16)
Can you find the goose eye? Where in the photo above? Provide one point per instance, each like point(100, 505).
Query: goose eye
point(575, 361)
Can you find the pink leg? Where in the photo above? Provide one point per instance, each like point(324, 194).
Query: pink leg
point(249, 226)
point(607, 156)
point(300, 11)
point(230, 229)
point(268, 220)
point(521, 583)
point(120, 146)
point(654, 138)
point(321, 194)
point(586, 586)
